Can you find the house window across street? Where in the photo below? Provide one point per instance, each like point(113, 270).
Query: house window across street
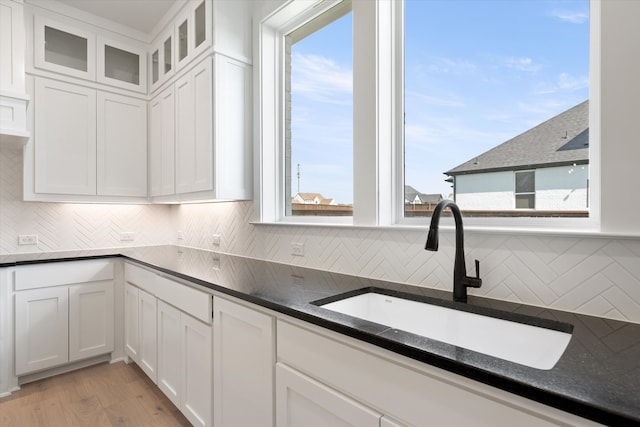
point(525, 190)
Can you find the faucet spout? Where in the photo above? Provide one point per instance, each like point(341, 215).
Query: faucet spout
point(460, 279)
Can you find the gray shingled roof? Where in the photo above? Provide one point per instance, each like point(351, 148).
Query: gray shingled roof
point(410, 193)
point(561, 140)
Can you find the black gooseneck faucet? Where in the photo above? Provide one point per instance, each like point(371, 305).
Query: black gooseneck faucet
point(460, 279)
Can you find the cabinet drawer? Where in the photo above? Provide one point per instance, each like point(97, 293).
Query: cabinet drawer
point(139, 277)
point(62, 273)
point(192, 301)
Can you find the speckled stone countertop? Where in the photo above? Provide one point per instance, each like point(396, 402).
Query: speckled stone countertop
point(598, 376)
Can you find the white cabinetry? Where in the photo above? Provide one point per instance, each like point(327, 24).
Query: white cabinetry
point(140, 320)
point(76, 52)
point(162, 143)
point(64, 312)
point(63, 48)
point(194, 130)
point(121, 146)
point(400, 389)
point(42, 329)
point(91, 321)
point(65, 139)
point(122, 65)
point(244, 353)
point(88, 144)
point(305, 402)
point(212, 125)
point(13, 97)
point(168, 333)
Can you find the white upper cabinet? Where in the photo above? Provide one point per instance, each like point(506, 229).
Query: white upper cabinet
point(162, 143)
point(121, 65)
point(64, 49)
point(13, 97)
point(122, 146)
point(193, 31)
point(65, 139)
point(76, 52)
point(162, 60)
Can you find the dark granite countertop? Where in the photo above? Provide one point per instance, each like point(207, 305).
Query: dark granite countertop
point(598, 376)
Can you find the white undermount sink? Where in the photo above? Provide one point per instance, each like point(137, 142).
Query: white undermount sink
point(529, 345)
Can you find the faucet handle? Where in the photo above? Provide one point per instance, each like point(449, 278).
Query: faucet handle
point(475, 282)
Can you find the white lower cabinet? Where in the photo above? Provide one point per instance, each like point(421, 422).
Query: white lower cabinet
point(319, 371)
point(305, 402)
point(141, 329)
point(42, 329)
point(91, 320)
point(244, 358)
point(184, 363)
point(147, 313)
point(64, 312)
point(170, 345)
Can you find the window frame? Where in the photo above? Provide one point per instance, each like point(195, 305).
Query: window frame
point(378, 97)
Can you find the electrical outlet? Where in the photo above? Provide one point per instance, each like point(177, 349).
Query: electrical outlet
point(215, 239)
point(297, 249)
point(28, 239)
point(180, 235)
point(127, 236)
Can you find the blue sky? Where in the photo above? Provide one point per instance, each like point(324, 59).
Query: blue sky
point(477, 73)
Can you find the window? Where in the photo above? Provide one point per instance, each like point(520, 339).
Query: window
point(525, 193)
point(378, 132)
point(318, 116)
point(492, 86)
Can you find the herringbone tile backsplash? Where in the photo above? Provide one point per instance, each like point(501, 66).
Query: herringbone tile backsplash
point(590, 275)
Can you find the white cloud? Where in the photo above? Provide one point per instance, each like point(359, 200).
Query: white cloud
point(452, 66)
point(522, 64)
point(321, 78)
point(564, 82)
point(572, 17)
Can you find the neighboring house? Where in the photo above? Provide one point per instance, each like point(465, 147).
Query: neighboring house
point(414, 197)
point(544, 168)
point(313, 199)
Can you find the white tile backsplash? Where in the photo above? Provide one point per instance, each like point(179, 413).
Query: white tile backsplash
point(590, 275)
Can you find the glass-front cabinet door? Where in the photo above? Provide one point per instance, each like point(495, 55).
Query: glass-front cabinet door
point(193, 31)
point(122, 65)
point(64, 49)
point(162, 60)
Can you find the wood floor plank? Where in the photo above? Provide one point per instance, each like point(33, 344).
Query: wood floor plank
point(103, 395)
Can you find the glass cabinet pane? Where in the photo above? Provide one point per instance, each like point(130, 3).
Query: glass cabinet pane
point(200, 24)
point(167, 55)
point(154, 67)
point(183, 30)
point(65, 49)
point(121, 65)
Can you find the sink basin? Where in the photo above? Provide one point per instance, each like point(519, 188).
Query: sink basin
point(529, 345)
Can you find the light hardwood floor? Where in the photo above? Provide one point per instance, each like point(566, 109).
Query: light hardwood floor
point(102, 395)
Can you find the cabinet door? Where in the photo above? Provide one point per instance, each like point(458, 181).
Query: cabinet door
point(304, 402)
point(244, 353)
point(64, 49)
point(122, 65)
point(91, 320)
point(169, 354)
point(131, 323)
point(41, 327)
point(122, 146)
point(65, 138)
point(147, 315)
point(194, 141)
point(11, 47)
point(197, 369)
point(162, 144)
